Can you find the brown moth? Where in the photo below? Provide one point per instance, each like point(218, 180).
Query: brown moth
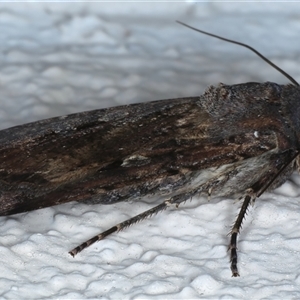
point(233, 140)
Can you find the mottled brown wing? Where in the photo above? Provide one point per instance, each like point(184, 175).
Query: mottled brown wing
point(110, 155)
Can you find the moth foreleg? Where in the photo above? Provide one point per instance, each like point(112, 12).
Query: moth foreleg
point(234, 232)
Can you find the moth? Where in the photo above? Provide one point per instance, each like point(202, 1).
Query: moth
point(233, 140)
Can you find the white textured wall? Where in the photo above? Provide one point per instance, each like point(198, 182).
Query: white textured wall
point(62, 58)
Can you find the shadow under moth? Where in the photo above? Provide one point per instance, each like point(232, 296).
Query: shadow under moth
point(238, 140)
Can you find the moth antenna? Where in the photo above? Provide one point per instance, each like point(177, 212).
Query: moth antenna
point(246, 46)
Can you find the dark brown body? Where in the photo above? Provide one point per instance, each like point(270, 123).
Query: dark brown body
point(110, 155)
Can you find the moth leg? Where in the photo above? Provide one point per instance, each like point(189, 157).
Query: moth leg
point(234, 233)
point(121, 226)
